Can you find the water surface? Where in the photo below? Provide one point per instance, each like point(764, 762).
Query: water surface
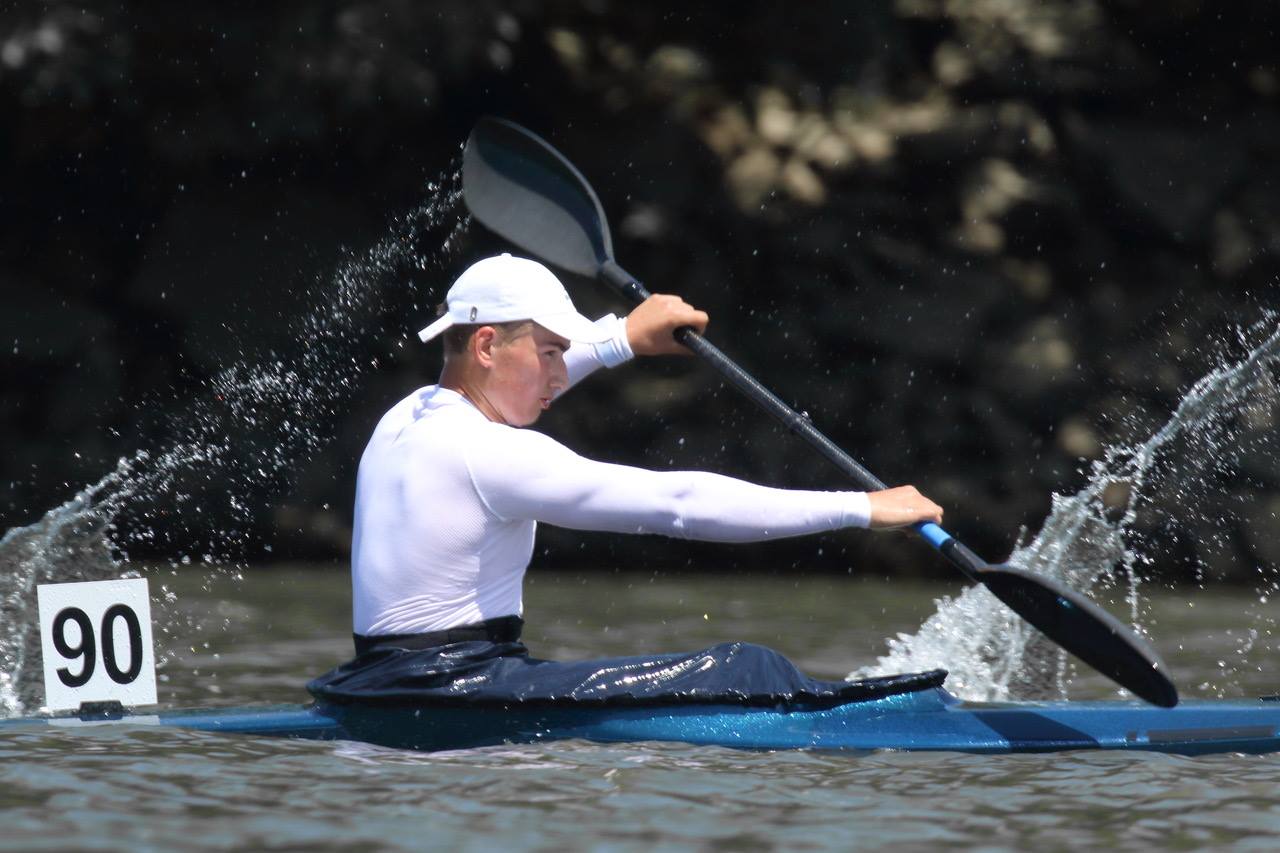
point(137, 788)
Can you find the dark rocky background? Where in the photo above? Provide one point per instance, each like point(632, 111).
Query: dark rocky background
point(978, 242)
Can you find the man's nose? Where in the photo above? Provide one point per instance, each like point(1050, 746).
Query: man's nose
point(559, 376)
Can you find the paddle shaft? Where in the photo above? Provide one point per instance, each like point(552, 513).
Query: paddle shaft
point(798, 422)
point(525, 190)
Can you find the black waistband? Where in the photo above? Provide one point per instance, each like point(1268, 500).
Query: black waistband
point(503, 629)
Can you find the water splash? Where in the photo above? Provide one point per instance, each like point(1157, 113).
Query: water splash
point(1098, 539)
point(234, 445)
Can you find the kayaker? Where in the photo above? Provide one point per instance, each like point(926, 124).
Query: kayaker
point(451, 487)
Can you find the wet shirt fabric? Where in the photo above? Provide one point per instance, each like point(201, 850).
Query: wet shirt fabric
point(482, 673)
point(447, 503)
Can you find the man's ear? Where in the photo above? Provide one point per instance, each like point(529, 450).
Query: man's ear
point(482, 343)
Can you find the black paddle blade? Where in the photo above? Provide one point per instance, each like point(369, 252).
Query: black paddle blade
point(521, 188)
point(1086, 630)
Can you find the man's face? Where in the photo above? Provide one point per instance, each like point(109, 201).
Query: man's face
point(526, 372)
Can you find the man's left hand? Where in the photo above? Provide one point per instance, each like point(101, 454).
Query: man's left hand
point(650, 327)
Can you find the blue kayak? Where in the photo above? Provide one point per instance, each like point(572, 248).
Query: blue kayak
point(926, 719)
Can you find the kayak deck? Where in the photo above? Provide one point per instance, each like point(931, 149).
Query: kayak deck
point(930, 720)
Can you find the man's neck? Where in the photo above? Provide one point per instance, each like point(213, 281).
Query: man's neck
point(472, 389)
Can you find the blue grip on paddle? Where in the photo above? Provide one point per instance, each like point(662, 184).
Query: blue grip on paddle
point(936, 535)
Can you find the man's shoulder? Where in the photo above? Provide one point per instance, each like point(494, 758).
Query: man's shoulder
point(404, 419)
point(437, 415)
point(422, 405)
point(399, 414)
point(443, 420)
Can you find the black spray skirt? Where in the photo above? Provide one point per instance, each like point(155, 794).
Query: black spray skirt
point(480, 672)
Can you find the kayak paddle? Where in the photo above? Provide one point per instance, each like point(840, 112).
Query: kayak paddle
point(520, 187)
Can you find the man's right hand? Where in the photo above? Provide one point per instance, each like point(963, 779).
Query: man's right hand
point(901, 506)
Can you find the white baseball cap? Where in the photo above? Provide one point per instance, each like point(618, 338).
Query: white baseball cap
point(502, 289)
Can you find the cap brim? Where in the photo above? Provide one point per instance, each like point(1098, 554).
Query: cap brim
point(575, 327)
point(435, 328)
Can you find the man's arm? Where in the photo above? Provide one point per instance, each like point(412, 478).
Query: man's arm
point(581, 360)
point(647, 330)
point(521, 474)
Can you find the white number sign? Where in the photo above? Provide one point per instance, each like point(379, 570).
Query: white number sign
point(96, 641)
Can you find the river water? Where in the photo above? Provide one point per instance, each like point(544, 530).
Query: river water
point(139, 788)
point(240, 635)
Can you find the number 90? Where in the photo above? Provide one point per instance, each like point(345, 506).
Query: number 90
point(86, 647)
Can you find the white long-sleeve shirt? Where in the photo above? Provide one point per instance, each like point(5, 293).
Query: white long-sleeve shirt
point(447, 503)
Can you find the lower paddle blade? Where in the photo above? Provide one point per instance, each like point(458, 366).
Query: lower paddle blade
point(1086, 630)
point(526, 191)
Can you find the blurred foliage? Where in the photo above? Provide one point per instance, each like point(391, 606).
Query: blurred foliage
point(978, 241)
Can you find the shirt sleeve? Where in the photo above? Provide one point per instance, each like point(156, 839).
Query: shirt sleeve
point(581, 360)
point(525, 475)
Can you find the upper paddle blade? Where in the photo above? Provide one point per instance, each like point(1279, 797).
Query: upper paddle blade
point(1086, 630)
point(523, 189)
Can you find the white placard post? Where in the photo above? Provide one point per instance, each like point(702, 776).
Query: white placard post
point(96, 642)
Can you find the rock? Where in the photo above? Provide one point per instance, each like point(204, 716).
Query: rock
point(1172, 177)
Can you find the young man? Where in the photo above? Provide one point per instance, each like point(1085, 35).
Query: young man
point(451, 487)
